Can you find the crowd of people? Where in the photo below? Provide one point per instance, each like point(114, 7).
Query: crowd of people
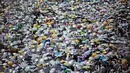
point(67, 37)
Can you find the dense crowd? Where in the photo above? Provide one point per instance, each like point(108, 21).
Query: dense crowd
point(67, 37)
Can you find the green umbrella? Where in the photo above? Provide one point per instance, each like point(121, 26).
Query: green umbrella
point(68, 0)
point(100, 2)
point(36, 27)
point(20, 26)
point(83, 39)
point(81, 32)
point(65, 71)
point(12, 27)
point(86, 67)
